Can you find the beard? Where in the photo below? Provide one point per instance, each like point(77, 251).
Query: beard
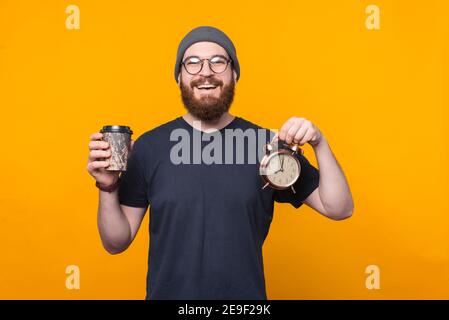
point(208, 108)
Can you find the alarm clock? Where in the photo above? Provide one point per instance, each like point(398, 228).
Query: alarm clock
point(280, 167)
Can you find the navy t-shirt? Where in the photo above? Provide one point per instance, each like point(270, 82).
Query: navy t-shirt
point(208, 221)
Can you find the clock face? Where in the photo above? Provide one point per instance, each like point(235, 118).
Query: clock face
point(282, 170)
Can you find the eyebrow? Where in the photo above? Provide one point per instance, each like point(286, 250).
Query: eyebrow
point(215, 55)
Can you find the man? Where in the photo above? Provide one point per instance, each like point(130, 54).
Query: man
point(208, 220)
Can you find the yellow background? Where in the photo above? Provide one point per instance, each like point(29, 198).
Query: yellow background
point(380, 97)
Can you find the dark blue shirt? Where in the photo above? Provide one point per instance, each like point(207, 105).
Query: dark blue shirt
point(208, 222)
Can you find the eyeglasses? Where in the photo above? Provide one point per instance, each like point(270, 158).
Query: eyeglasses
point(218, 64)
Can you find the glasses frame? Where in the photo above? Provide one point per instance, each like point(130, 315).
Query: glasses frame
point(208, 60)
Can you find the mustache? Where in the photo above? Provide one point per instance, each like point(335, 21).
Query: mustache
point(209, 80)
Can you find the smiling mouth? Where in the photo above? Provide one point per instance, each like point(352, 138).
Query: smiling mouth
point(206, 87)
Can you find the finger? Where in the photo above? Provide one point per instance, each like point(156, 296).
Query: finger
point(275, 137)
point(95, 145)
point(300, 134)
point(131, 146)
point(307, 137)
point(315, 138)
point(95, 165)
point(285, 128)
point(96, 136)
point(98, 154)
point(292, 131)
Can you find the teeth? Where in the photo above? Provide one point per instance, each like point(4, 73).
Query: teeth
point(206, 87)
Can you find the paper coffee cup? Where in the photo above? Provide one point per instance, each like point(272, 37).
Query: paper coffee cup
point(119, 139)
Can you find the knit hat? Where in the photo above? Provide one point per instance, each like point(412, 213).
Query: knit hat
point(211, 34)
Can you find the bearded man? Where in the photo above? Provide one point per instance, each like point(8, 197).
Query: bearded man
point(208, 221)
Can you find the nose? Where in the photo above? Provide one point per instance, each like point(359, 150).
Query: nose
point(206, 71)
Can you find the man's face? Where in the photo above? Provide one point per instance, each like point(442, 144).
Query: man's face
point(207, 94)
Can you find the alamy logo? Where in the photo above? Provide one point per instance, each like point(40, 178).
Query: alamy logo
point(72, 22)
point(372, 21)
point(239, 146)
point(73, 277)
point(373, 279)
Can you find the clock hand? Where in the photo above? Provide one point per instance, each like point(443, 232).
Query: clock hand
point(282, 164)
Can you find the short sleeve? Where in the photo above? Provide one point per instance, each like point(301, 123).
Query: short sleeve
point(133, 187)
point(307, 182)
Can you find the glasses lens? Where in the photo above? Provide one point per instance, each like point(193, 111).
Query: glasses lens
point(193, 65)
point(218, 64)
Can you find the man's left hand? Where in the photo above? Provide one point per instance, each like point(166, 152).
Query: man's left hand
point(300, 131)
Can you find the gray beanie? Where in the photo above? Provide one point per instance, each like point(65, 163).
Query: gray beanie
point(211, 34)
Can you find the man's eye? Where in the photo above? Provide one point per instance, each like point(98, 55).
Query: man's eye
point(218, 60)
point(193, 61)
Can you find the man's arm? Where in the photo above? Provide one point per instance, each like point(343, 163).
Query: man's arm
point(117, 224)
point(332, 197)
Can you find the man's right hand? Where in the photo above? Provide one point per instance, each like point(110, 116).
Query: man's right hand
point(99, 156)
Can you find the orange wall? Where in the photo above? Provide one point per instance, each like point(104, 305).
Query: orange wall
point(380, 97)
